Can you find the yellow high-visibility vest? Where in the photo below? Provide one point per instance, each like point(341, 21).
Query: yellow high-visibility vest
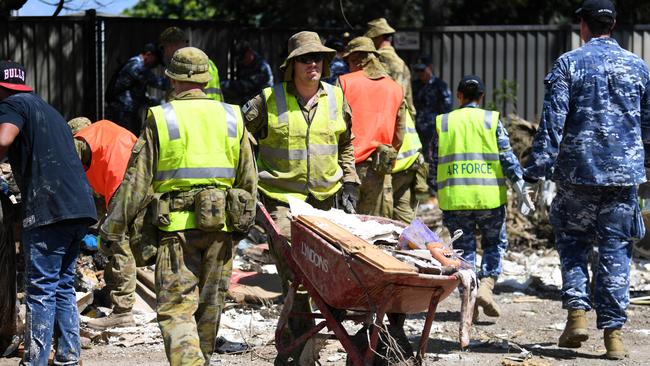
point(411, 147)
point(199, 142)
point(469, 174)
point(213, 88)
point(296, 158)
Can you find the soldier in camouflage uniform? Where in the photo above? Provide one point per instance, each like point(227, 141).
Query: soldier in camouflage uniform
point(319, 173)
point(171, 40)
point(471, 197)
point(192, 181)
point(431, 97)
point(381, 34)
point(127, 94)
point(105, 169)
point(252, 75)
point(594, 126)
point(338, 66)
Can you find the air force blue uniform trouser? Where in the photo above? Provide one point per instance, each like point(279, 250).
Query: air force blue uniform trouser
point(609, 218)
point(492, 224)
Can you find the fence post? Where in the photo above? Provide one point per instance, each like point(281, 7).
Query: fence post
point(90, 107)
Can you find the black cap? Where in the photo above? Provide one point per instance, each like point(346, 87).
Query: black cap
point(594, 9)
point(471, 82)
point(12, 76)
point(241, 47)
point(335, 43)
point(153, 48)
point(423, 62)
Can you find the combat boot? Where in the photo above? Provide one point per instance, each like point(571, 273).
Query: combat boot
point(484, 298)
point(575, 330)
point(112, 321)
point(614, 345)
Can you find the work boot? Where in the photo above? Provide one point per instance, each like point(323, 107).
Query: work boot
point(614, 345)
point(575, 330)
point(484, 298)
point(112, 321)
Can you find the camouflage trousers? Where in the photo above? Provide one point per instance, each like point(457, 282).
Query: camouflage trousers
point(120, 276)
point(610, 218)
point(403, 197)
point(375, 192)
point(492, 225)
point(279, 212)
point(192, 276)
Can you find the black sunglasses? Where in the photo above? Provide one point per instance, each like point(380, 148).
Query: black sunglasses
point(310, 57)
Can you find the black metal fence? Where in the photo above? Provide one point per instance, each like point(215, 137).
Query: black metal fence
point(70, 59)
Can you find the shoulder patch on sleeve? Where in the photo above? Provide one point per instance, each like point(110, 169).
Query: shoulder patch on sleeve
point(139, 144)
point(250, 110)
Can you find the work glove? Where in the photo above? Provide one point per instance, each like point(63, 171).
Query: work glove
point(525, 193)
point(90, 242)
point(350, 197)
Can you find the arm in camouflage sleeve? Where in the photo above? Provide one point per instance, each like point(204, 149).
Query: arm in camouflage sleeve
point(546, 144)
point(645, 123)
point(134, 191)
point(509, 162)
point(246, 177)
point(346, 150)
point(256, 117)
point(400, 125)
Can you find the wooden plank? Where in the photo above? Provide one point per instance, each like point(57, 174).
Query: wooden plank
point(355, 245)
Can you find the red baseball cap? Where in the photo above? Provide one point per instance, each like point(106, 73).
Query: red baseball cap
point(12, 76)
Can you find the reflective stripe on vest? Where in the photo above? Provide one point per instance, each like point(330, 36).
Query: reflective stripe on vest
point(469, 174)
point(411, 147)
point(199, 143)
point(213, 87)
point(297, 159)
point(110, 146)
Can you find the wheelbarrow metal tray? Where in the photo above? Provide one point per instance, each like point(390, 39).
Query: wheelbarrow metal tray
point(346, 282)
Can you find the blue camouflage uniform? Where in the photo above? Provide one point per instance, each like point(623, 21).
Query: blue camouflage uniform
point(430, 99)
point(128, 97)
point(338, 67)
point(594, 125)
point(249, 81)
point(492, 222)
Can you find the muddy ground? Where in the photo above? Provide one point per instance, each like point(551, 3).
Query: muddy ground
point(530, 321)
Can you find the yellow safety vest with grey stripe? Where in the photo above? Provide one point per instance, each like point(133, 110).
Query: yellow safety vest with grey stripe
point(213, 87)
point(297, 158)
point(469, 174)
point(199, 143)
point(411, 147)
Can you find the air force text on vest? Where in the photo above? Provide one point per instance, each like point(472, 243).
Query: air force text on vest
point(469, 168)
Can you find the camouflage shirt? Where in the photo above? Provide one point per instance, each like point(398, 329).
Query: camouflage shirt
point(249, 81)
point(256, 120)
point(509, 162)
point(596, 118)
point(399, 71)
point(130, 88)
point(431, 99)
point(137, 187)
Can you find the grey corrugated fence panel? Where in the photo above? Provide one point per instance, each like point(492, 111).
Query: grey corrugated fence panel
point(53, 54)
point(69, 60)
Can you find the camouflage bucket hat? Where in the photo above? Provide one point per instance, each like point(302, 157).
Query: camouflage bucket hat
point(378, 27)
point(305, 42)
point(78, 124)
point(360, 44)
point(189, 64)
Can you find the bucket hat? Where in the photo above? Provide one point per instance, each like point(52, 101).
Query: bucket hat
point(378, 27)
point(189, 64)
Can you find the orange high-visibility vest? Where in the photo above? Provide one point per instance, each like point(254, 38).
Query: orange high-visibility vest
point(374, 104)
point(111, 147)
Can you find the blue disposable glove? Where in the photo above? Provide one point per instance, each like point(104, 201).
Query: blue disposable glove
point(90, 242)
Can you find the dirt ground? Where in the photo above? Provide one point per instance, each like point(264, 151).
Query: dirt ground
point(531, 321)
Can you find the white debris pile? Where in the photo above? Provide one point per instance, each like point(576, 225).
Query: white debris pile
point(541, 271)
point(250, 326)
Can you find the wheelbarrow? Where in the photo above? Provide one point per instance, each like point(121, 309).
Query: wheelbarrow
point(336, 281)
